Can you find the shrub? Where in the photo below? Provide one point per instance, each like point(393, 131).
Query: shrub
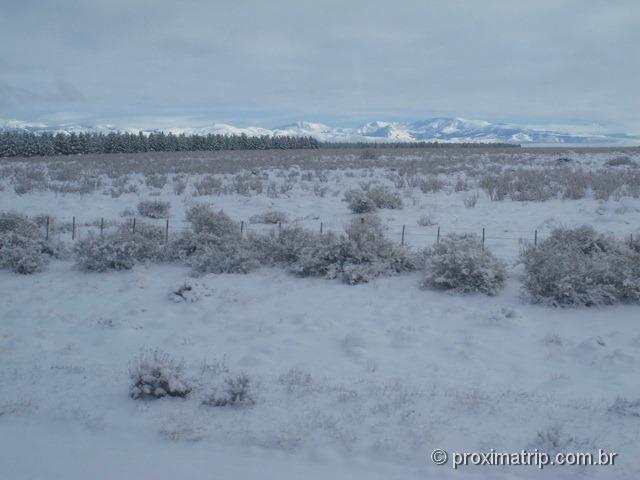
point(384, 198)
point(19, 224)
point(204, 219)
point(365, 201)
point(215, 245)
point(154, 208)
point(581, 267)
point(425, 221)
point(155, 374)
point(22, 254)
point(322, 257)
point(121, 250)
point(269, 217)
point(624, 407)
point(460, 264)
point(461, 185)
point(22, 245)
point(225, 255)
point(357, 257)
point(156, 181)
point(103, 253)
point(283, 247)
point(470, 201)
point(359, 202)
point(179, 186)
point(209, 185)
point(431, 184)
point(620, 161)
point(237, 391)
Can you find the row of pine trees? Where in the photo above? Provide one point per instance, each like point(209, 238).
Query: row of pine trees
point(22, 144)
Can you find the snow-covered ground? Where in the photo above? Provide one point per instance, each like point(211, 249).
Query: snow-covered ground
point(347, 381)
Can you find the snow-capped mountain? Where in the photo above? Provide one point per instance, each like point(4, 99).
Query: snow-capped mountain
point(450, 130)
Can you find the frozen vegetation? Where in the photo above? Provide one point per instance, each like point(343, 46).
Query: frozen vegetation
point(325, 313)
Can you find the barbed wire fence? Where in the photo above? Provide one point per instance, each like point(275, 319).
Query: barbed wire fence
point(75, 227)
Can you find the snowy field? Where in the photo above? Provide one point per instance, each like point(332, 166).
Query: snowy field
point(346, 381)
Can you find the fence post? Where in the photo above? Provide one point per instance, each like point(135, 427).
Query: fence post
point(279, 228)
point(166, 231)
point(535, 237)
point(320, 228)
point(402, 240)
point(73, 228)
point(134, 226)
point(482, 238)
point(438, 235)
point(241, 227)
point(101, 226)
point(47, 234)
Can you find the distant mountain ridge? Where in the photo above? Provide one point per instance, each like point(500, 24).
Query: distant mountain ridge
point(441, 129)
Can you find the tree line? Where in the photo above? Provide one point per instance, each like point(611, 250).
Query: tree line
point(25, 144)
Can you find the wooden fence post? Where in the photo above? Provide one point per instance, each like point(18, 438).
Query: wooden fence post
point(47, 234)
point(73, 228)
point(166, 231)
point(535, 237)
point(101, 226)
point(241, 227)
point(482, 238)
point(402, 240)
point(438, 235)
point(320, 228)
point(133, 230)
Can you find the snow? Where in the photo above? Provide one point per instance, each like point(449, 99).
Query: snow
point(454, 130)
point(349, 381)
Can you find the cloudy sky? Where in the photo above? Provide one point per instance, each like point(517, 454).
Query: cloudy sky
point(149, 63)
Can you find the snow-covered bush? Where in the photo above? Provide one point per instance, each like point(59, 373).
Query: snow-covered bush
point(622, 406)
point(460, 264)
point(270, 217)
point(236, 392)
point(22, 254)
point(620, 161)
point(154, 208)
point(357, 257)
point(365, 201)
point(209, 185)
point(431, 184)
point(155, 374)
point(283, 247)
point(384, 197)
point(103, 253)
point(470, 201)
point(22, 245)
point(120, 250)
point(578, 266)
point(228, 254)
point(359, 202)
point(425, 221)
point(12, 222)
point(204, 219)
point(215, 245)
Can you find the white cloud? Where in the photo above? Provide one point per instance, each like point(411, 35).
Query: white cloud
point(270, 62)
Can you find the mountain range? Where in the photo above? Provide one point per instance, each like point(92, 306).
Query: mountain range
point(450, 130)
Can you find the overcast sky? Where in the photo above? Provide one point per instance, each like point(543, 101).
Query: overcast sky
point(258, 62)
